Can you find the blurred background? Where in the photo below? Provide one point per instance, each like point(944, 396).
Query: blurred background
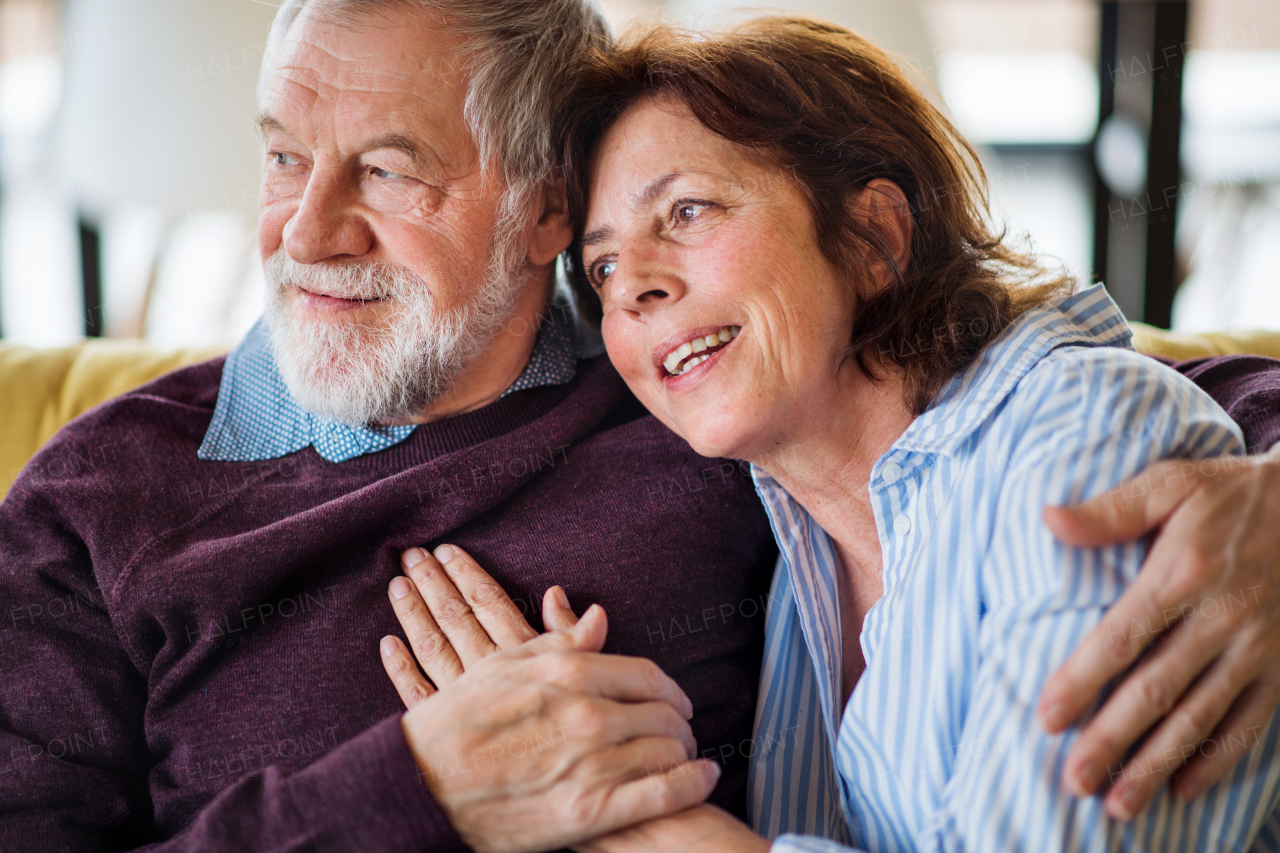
point(1136, 142)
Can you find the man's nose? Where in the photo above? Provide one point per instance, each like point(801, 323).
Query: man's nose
point(327, 225)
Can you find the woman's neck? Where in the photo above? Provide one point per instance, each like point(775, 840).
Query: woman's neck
point(824, 462)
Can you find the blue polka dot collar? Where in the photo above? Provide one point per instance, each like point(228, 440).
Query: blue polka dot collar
point(256, 418)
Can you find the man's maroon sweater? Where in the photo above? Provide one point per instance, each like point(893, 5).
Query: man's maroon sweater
point(189, 649)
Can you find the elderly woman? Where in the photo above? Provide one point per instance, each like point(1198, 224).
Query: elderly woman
point(790, 252)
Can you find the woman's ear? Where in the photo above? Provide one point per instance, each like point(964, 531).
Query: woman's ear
point(552, 230)
point(882, 205)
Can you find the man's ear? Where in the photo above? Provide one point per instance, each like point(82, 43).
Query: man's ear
point(882, 205)
point(552, 230)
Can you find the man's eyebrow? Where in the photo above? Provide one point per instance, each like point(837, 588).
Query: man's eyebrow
point(396, 141)
point(401, 143)
point(266, 121)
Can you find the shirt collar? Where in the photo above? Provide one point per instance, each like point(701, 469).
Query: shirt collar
point(256, 418)
point(1088, 318)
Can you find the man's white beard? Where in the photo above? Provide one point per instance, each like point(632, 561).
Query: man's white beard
point(361, 374)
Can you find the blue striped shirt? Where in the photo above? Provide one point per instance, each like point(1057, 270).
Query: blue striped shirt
point(938, 747)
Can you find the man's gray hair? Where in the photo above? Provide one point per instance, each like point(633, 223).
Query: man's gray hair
point(520, 56)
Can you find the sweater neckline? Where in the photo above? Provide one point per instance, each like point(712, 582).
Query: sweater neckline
point(433, 440)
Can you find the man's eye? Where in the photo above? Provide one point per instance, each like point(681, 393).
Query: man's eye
point(602, 269)
point(283, 159)
point(385, 174)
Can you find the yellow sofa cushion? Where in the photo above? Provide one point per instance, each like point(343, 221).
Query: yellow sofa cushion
point(1179, 347)
point(42, 389)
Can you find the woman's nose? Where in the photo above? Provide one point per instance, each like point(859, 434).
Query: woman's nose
point(643, 283)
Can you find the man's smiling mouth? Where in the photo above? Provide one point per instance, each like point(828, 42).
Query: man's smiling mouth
point(321, 297)
point(694, 351)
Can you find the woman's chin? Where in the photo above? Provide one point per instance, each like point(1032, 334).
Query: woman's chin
point(715, 440)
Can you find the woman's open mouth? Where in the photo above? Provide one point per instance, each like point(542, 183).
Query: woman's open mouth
point(693, 352)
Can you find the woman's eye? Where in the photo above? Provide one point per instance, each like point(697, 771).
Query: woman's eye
point(687, 211)
point(602, 269)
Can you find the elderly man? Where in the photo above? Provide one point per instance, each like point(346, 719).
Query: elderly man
point(189, 655)
point(210, 679)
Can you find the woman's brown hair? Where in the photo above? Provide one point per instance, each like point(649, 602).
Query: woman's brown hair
point(832, 112)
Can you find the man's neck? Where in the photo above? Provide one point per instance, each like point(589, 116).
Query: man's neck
point(503, 360)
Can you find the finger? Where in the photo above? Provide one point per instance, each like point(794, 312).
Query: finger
point(403, 672)
point(586, 636)
point(431, 648)
point(1144, 698)
point(1107, 651)
point(634, 759)
point(1238, 732)
point(1127, 512)
point(660, 794)
point(591, 630)
point(1176, 740)
point(448, 608)
point(596, 722)
point(557, 615)
point(493, 608)
point(615, 677)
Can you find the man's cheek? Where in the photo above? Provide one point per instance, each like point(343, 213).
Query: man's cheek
point(274, 213)
point(414, 203)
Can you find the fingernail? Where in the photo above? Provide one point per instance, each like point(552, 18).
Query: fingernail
point(1051, 716)
point(399, 588)
point(1086, 779)
point(412, 557)
point(1123, 806)
point(560, 597)
point(1189, 791)
point(388, 647)
point(445, 553)
point(713, 772)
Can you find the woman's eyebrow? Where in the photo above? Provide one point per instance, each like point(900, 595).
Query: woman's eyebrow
point(596, 236)
point(652, 190)
point(639, 200)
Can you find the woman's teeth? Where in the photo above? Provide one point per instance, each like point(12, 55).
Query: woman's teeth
point(693, 352)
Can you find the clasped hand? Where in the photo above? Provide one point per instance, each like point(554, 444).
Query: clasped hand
point(538, 742)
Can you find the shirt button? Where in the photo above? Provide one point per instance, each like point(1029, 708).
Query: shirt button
point(890, 473)
point(902, 525)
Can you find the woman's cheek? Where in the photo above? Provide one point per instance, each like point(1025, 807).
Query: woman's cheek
point(626, 350)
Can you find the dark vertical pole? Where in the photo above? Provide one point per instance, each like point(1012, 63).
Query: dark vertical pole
point(1107, 51)
point(91, 276)
point(1163, 149)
